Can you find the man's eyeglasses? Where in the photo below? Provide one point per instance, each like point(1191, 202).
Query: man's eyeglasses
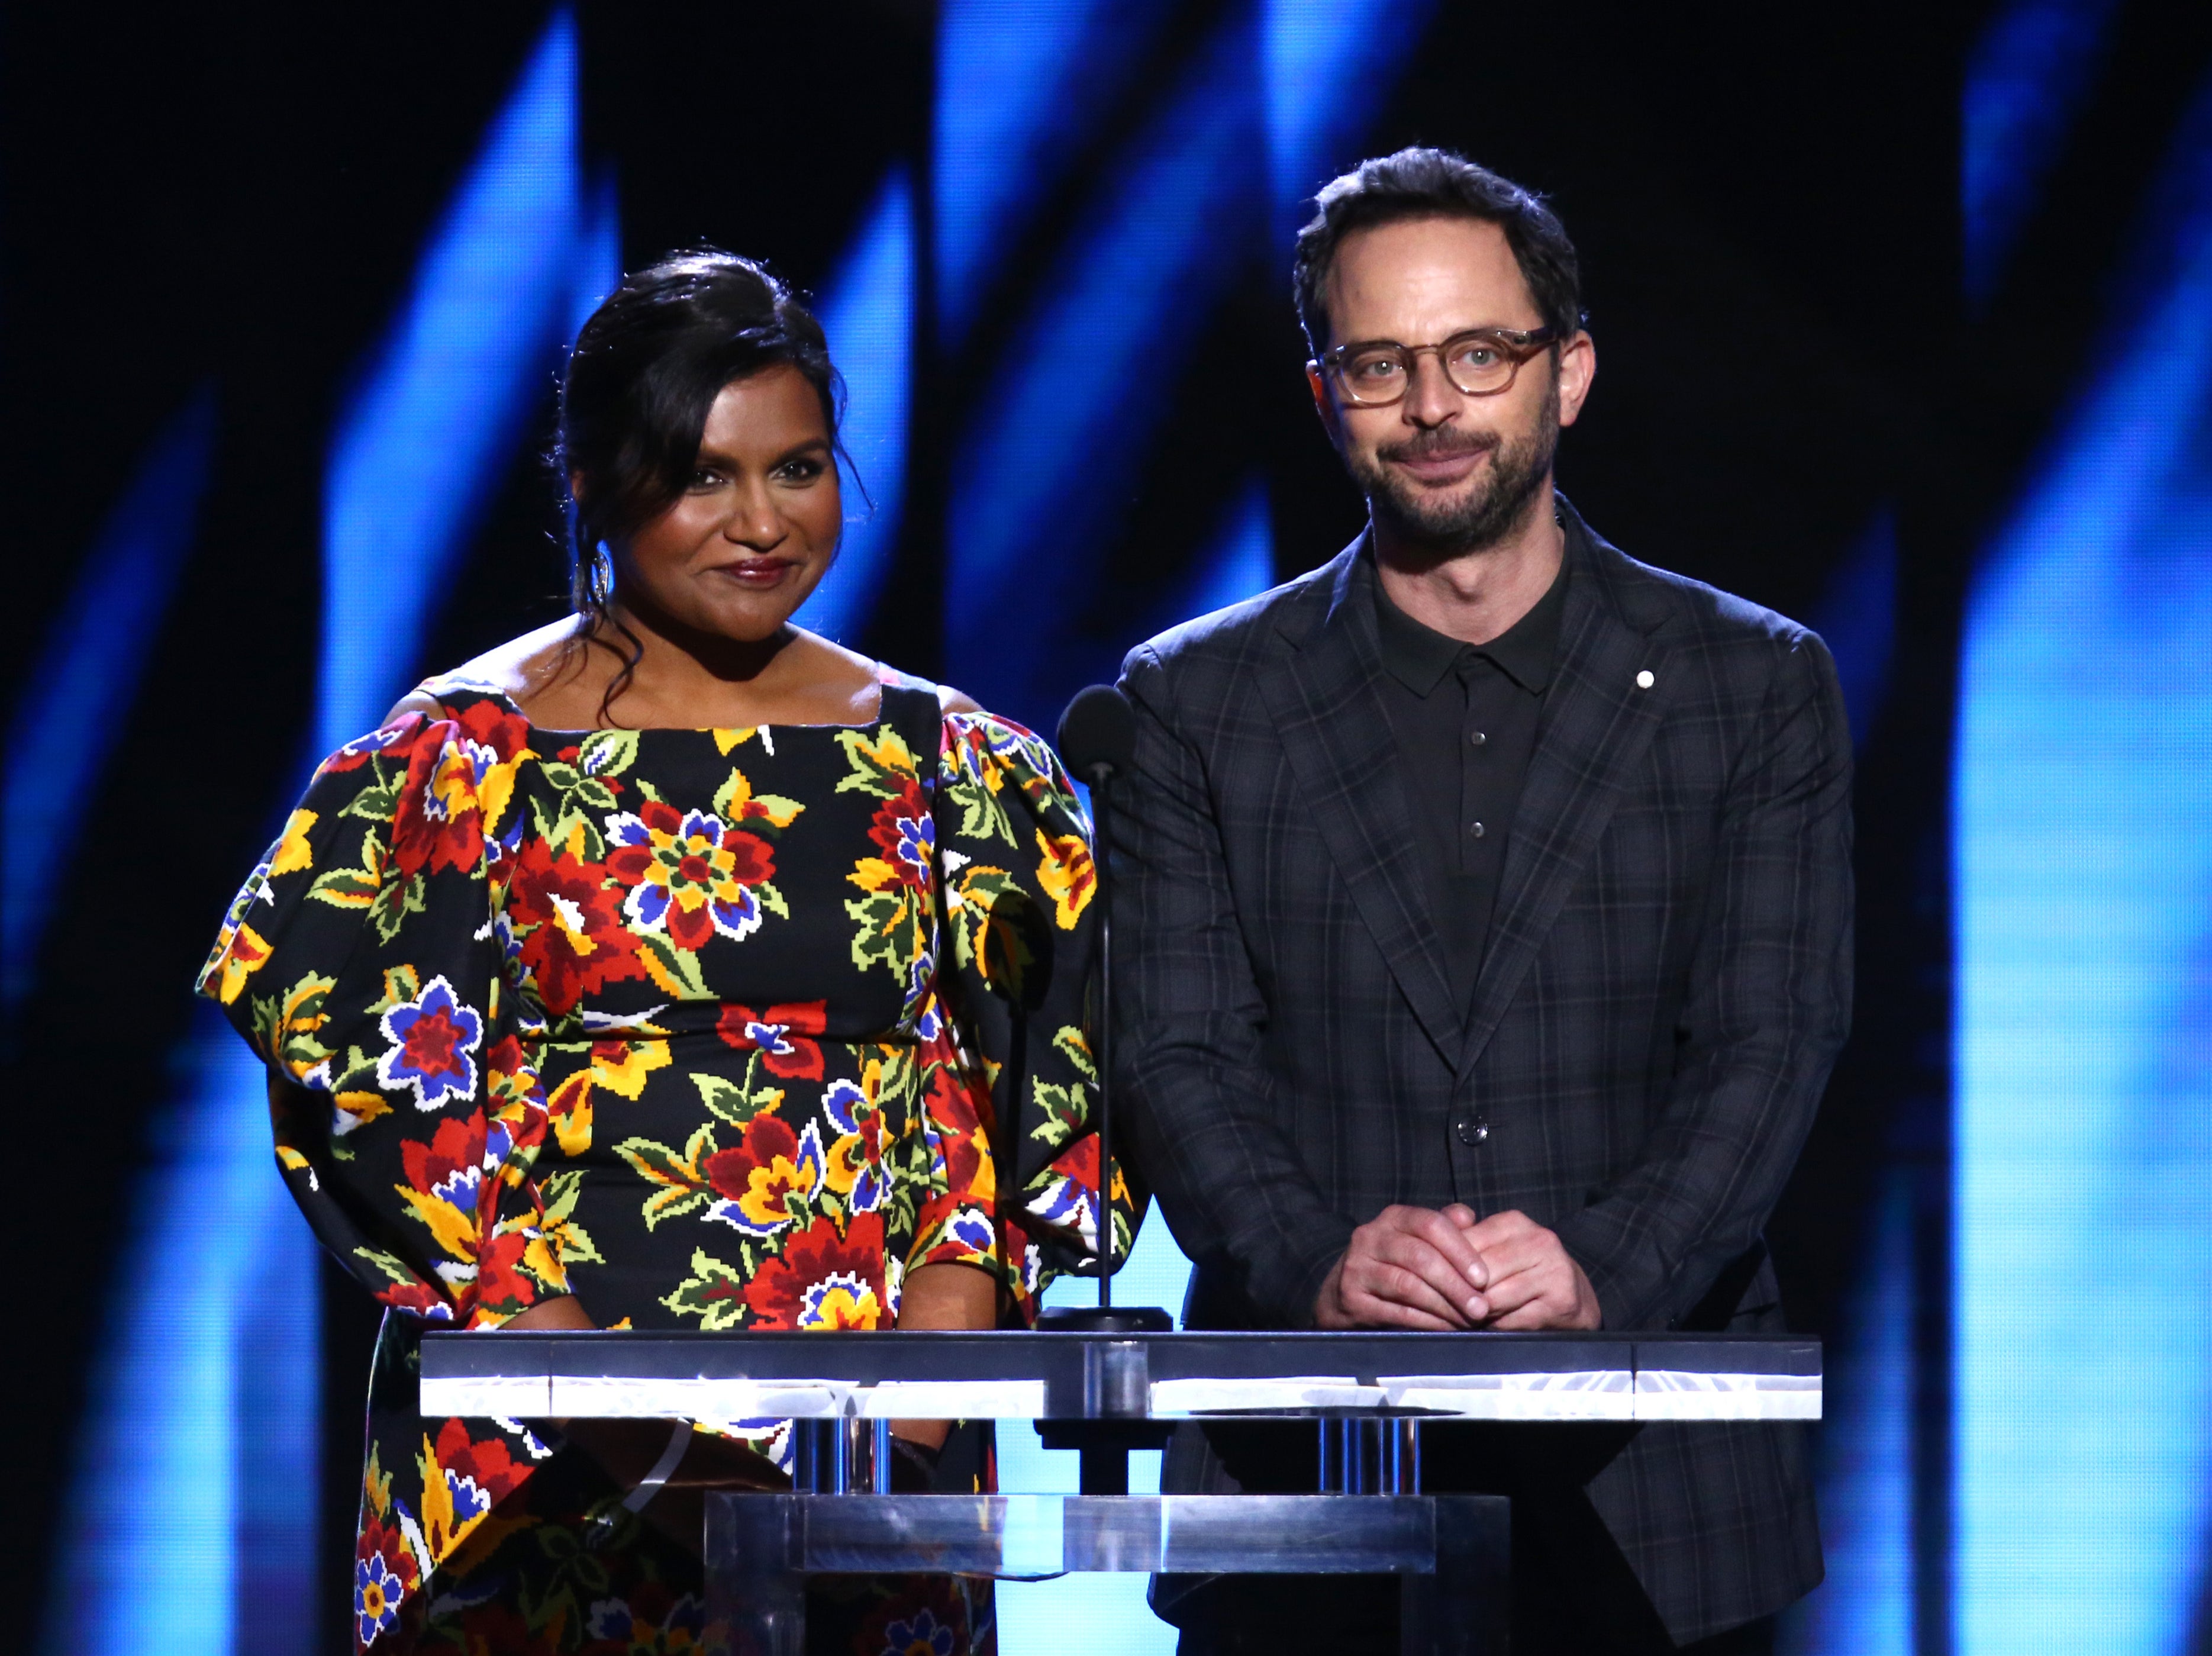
point(1480, 362)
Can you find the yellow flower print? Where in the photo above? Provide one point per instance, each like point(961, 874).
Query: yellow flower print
point(244, 954)
point(1067, 874)
point(293, 853)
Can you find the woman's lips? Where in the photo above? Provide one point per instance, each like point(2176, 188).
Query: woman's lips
point(757, 571)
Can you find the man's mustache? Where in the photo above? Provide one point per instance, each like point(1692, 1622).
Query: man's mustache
point(1440, 444)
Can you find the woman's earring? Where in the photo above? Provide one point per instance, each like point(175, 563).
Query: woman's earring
point(603, 574)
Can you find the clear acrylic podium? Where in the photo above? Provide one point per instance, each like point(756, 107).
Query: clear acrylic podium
point(1103, 1394)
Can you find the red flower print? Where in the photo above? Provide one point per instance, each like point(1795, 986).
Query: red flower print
point(906, 834)
point(452, 1193)
point(500, 1285)
point(486, 1468)
point(359, 751)
point(689, 874)
point(823, 1281)
point(458, 771)
point(952, 1112)
point(767, 1178)
point(416, 1299)
point(576, 943)
point(779, 1035)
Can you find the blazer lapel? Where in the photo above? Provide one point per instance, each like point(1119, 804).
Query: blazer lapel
point(1321, 691)
point(1597, 723)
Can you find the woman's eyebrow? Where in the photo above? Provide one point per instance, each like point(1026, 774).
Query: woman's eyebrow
point(715, 457)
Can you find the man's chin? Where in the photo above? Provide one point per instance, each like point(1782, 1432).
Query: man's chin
point(1447, 524)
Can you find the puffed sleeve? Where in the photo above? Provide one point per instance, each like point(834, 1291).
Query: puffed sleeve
point(1019, 886)
point(362, 961)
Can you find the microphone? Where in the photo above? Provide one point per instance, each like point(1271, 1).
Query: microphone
point(1098, 740)
point(1099, 734)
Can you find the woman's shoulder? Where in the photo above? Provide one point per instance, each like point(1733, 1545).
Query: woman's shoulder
point(949, 701)
point(508, 672)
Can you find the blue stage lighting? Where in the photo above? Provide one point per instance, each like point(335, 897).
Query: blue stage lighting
point(1865, 1607)
point(2082, 1380)
point(193, 1518)
point(177, 1474)
point(1328, 66)
point(2025, 78)
point(1857, 620)
point(867, 312)
point(1239, 563)
point(1020, 85)
point(434, 424)
point(1041, 480)
point(75, 702)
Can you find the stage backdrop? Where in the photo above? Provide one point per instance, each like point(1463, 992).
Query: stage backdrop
point(1905, 326)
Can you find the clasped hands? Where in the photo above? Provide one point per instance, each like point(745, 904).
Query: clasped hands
point(1420, 1268)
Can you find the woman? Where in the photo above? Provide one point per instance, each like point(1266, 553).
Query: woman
point(670, 967)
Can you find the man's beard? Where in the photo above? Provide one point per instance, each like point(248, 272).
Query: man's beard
point(1495, 509)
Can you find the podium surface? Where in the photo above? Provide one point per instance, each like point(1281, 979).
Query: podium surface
point(1369, 1395)
point(1023, 1375)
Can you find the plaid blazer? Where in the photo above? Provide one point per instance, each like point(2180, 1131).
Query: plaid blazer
point(1667, 983)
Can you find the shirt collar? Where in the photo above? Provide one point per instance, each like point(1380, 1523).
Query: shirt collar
point(1418, 657)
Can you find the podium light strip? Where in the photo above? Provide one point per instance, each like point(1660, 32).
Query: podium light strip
point(1602, 1395)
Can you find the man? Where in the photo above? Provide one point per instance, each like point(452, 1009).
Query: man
point(1488, 918)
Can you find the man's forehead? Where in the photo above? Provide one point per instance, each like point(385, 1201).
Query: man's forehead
point(1452, 272)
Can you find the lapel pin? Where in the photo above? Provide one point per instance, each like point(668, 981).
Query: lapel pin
point(1644, 680)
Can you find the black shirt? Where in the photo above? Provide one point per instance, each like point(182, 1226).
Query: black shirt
point(1464, 718)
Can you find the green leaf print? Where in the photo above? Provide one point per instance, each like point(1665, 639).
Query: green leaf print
point(394, 903)
point(356, 887)
point(378, 802)
point(683, 1184)
point(734, 1104)
point(715, 1293)
point(607, 753)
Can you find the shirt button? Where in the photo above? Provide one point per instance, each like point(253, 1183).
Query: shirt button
point(1480, 739)
point(1471, 1130)
point(1477, 830)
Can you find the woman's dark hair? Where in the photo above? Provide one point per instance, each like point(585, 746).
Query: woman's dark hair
point(1421, 183)
point(645, 371)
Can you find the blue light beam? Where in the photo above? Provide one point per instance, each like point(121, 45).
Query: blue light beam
point(1328, 64)
point(76, 703)
point(2083, 879)
point(867, 312)
point(427, 439)
point(1043, 478)
point(2025, 78)
point(1020, 87)
point(175, 1480)
point(1865, 1607)
point(192, 1520)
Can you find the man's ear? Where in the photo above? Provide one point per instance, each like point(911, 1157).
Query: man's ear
point(1324, 405)
point(1577, 368)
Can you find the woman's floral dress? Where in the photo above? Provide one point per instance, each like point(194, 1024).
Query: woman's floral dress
point(714, 1029)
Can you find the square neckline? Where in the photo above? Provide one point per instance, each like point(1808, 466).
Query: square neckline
point(885, 686)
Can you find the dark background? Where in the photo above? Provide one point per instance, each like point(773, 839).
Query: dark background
point(1766, 200)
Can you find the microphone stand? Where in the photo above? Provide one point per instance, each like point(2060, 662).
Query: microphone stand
point(1101, 783)
point(1114, 1423)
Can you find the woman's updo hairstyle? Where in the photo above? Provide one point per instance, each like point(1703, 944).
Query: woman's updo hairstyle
point(645, 371)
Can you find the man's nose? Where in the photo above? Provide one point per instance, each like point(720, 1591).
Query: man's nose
point(1431, 399)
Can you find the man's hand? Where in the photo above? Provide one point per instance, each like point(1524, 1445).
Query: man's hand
point(1534, 1282)
point(1408, 1267)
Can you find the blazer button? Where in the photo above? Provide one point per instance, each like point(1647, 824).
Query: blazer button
point(1471, 1130)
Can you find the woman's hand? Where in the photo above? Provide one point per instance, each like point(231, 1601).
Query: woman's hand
point(944, 1296)
point(564, 1313)
point(628, 1450)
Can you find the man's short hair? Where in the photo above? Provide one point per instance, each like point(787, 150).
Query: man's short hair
point(1423, 183)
